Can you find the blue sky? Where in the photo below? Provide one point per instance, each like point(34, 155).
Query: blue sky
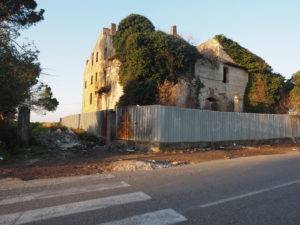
point(269, 28)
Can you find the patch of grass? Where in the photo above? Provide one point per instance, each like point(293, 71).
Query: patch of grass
point(37, 128)
point(4, 155)
point(32, 151)
point(85, 136)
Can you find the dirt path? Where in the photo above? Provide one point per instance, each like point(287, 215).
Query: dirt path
point(57, 165)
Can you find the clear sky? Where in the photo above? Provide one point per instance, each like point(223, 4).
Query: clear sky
point(269, 28)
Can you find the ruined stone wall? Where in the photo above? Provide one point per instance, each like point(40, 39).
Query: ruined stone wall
point(219, 94)
point(101, 88)
point(213, 48)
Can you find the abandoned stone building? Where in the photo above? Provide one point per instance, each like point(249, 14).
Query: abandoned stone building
point(224, 81)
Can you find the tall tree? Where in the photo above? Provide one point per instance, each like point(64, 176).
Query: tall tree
point(149, 58)
point(294, 95)
point(19, 66)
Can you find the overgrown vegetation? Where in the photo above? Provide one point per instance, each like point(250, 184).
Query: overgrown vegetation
point(19, 69)
point(9, 145)
point(149, 58)
point(264, 89)
point(293, 100)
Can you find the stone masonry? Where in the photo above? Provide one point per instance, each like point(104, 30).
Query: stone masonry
point(225, 82)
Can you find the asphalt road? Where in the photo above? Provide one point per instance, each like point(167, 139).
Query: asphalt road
point(253, 190)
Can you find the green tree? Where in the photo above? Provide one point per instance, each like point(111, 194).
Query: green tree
point(294, 95)
point(19, 66)
point(148, 58)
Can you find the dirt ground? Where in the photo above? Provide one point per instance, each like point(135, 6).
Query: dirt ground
point(105, 161)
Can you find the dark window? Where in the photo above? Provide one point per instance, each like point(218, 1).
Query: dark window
point(85, 84)
point(91, 79)
point(97, 57)
point(225, 75)
point(96, 77)
point(91, 98)
point(104, 77)
point(105, 52)
point(92, 58)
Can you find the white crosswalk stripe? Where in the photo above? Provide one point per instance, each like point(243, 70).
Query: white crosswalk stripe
point(161, 217)
point(58, 193)
point(84, 185)
point(68, 209)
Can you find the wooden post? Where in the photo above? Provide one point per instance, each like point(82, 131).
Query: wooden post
point(23, 125)
point(108, 130)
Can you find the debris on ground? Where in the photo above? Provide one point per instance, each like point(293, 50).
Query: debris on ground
point(79, 153)
point(63, 138)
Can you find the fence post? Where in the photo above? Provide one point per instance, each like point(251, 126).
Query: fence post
point(108, 130)
point(23, 125)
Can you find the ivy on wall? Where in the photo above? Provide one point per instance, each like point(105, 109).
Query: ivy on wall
point(263, 91)
point(148, 58)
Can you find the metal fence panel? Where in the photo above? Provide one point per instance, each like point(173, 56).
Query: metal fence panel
point(93, 122)
point(169, 124)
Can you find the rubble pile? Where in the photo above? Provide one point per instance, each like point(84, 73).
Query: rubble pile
point(64, 138)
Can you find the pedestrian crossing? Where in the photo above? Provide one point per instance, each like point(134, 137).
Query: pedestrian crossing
point(103, 183)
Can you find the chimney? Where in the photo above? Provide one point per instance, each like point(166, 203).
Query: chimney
point(173, 30)
point(113, 29)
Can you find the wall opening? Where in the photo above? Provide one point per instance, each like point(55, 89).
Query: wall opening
point(213, 104)
point(92, 79)
point(97, 57)
point(96, 76)
point(225, 75)
point(104, 77)
point(105, 52)
point(91, 98)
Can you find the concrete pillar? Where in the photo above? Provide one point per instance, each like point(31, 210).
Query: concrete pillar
point(236, 104)
point(173, 30)
point(23, 125)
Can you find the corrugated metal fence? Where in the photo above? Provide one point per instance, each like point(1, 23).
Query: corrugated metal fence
point(167, 124)
point(93, 122)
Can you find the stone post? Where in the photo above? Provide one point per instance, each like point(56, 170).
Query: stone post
point(23, 125)
point(236, 104)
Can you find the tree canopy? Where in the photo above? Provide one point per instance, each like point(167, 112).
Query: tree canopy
point(148, 58)
point(19, 66)
point(21, 13)
point(263, 91)
point(294, 94)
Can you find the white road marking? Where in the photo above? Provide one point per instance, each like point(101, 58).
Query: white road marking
point(64, 192)
point(17, 184)
point(161, 217)
point(71, 208)
point(248, 194)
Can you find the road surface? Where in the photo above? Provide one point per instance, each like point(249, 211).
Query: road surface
point(251, 190)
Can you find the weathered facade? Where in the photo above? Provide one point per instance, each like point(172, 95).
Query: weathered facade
point(101, 88)
point(225, 82)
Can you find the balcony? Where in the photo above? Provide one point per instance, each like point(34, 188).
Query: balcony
point(104, 89)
